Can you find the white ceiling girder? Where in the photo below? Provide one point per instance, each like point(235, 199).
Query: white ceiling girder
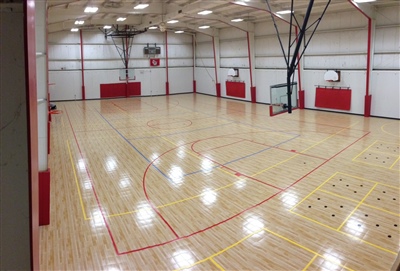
point(67, 25)
point(177, 13)
point(244, 26)
point(212, 32)
point(365, 8)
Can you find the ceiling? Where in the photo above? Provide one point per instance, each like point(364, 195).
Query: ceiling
point(62, 14)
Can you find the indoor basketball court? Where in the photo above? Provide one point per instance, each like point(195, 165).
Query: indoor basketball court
point(171, 183)
point(201, 135)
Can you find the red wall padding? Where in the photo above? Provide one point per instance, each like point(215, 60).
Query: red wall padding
point(119, 90)
point(134, 89)
point(333, 98)
point(235, 89)
point(44, 197)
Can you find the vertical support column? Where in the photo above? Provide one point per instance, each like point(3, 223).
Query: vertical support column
point(251, 56)
point(216, 50)
point(32, 127)
point(82, 66)
point(166, 64)
point(194, 61)
point(370, 48)
point(301, 97)
point(370, 14)
point(19, 235)
point(43, 112)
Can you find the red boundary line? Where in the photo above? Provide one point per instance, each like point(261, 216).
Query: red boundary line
point(235, 171)
point(155, 209)
point(222, 146)
point(255, 142)
point(238, 214)
point(92, 185)
point(184, 121)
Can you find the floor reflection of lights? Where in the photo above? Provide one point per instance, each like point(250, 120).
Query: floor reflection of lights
point(206, 165)
point(81, 165)
point(208, 196)
point(253, 224)
point(240, 183)
point(111, 268)
point(154, 157)
point(145, 214)
point(124, 182)
point(111, 164)
point(181, 153)
point(176, 175)
point(355, 227)
point(182, 259)
point(289, 199)
point(332, 262)
point(87, 184)
point(97, 221)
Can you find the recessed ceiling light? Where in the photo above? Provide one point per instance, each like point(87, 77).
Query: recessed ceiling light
point(141, 6)
point(204, 26)
point(237, 20)
point(121, 19)
point(153, 27)
point(74, 29)
point(179, 31)
point(284, 12)
point(79, 22)
point(91, 9)
point(241, 3)
point(205, 12)
point(363, 1)
point(172, 22)
point(107, 26)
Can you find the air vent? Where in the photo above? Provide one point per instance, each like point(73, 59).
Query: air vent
point(112, 4)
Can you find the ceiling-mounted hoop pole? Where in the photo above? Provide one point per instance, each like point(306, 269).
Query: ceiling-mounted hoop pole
point(279, 36)
point(292, 64)
point(126, 37)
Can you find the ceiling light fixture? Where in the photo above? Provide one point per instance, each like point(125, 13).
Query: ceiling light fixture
point(237, 20)
point(74, 29)
point(172, 22)
point(91, 9)
point(363, 1)
point(107, 26)
point(153, 27)
point(79, 22)
point(205, 12)
point(141, 6)
point(240, 3)
point(204, 26)
point(179, 32)
point(121, 19)
point(284, 12)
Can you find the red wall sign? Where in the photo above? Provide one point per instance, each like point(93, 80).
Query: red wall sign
point(154, 62)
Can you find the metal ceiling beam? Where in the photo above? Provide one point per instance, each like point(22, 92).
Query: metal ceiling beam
point(212, 32)
point(366, 8)
point(177, 13)
point(67, 25)
point(244, 26)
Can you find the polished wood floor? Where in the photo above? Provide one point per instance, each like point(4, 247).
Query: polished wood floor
point(199, 183)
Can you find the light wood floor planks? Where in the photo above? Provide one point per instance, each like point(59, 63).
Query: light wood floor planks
point(200, 183)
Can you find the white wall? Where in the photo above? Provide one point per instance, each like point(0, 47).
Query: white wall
point(102, 64)
point(341, 44)
point(204, 65)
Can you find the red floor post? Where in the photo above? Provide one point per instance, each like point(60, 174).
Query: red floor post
point(301, 99)
point(253, 94)
point(218, 88)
